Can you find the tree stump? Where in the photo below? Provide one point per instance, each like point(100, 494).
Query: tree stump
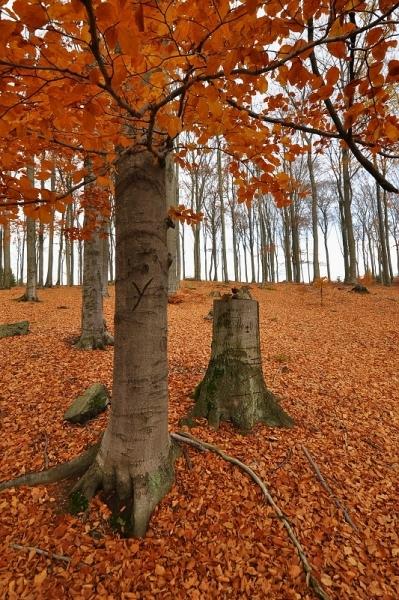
point(233, 388)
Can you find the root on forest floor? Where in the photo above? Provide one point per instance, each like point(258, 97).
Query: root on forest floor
point(311, 580)
point(93, 479)
point(73, 468)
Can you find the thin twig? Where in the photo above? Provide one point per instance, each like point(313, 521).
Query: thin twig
point(284, 461)
point(311, 580)
point(66, 559)
point(328, 489)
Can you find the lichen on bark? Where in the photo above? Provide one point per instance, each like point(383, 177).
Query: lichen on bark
point(233, 388)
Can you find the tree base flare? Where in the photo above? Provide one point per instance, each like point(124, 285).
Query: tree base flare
point(132, 498)
point(235, 391)
point(94, 342)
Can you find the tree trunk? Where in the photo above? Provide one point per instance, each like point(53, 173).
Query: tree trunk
point(68, 245)
point(50, 256)
point(347, 206)
point(30, 294)
point(383, 251)
point(251, 242)
point(40, 258)
point(59, 265)
point(233, 388)
point(94, 333)
point(170, 187)
point(325, 234)
point(7, 256)
point(134, 464)
point(287, 245)
point(315, 232)
point(225, 275)
point(296, 253)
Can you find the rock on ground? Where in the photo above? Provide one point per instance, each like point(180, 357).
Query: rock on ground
point(10, 329)
point(90, 404)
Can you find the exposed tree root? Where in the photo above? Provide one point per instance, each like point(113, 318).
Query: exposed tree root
point(72, 468)
point(311, 580)
point(41, 552)
point(26, 298)
point(94, 342)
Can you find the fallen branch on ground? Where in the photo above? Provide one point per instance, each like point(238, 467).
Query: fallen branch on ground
point(66, 559)
point(328, 489)
point(311, 580)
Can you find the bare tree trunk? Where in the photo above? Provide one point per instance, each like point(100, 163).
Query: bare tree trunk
point(40, 259)
point(134, 464)
point(383, 251)
point(347, 206)
point(386, 226)
point(287, 245)
point(171, 196)
point(68, 245)
point(94, 333)
point(235, 249)
point(50, 255)
point(105, 258)
point(30, 294)
point(225, 274)
point(296, 254)
point(251, 242)
point(21, 272)
point(59, 264)
point(315, 231)
point(325, 234)
point(183, 251)
point(7, 256)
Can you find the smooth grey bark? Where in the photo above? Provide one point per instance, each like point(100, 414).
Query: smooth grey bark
point(287, 244)
point(233, 388)
point(386, 227)
point(383, 251)
point(295, 248)
point(69, 246)
point(40, 255)
point(171, 196)
point(347, 208)
point(50, 255)
point(94, 334)
point(251, 242)
point(315, 232)
point(30, 294)
point(105, 259)
point(59, 263)
point(134, 464)
point(7, 256)
point(225, 274)
point(235, 240)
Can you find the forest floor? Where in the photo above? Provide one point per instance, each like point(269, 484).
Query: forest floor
point(335, 367)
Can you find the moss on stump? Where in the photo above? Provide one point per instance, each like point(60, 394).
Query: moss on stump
point(233, 388)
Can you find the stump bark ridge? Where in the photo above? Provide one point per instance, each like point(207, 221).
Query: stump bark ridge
point(233, 388)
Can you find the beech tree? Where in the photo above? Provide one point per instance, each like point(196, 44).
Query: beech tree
point(118, 81)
